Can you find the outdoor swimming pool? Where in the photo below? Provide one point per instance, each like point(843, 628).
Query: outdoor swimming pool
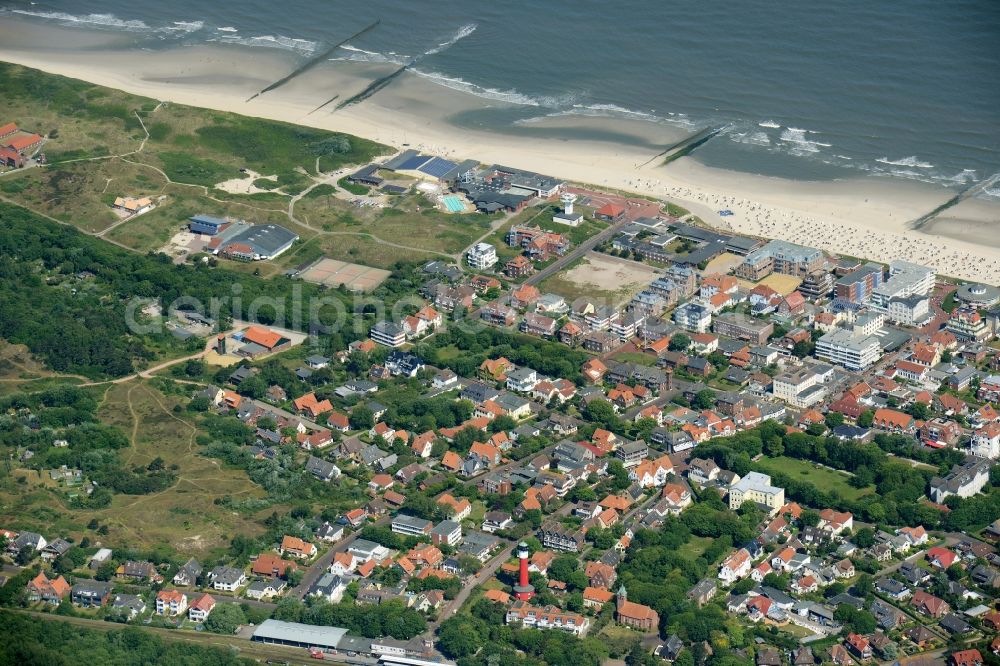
point(453, 204)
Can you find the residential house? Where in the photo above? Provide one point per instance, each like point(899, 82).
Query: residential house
point(50, 591)
point(228, 579)
point(171, 602)
point(188, 573)
point(930, 605)
point(296, 547)
point(735, 567)
point(91, 593)
point(201, 608)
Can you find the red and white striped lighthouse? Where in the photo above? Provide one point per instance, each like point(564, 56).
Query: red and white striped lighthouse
point(523, 590)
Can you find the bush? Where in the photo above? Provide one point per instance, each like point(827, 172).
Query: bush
point(185, 168)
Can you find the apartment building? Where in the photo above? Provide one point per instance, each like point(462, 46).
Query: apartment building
point(779, 256)
point(742, 327)
point(905, 279)
point(799, 386)
point(388, 334)
point(756, 487)
point(858, 285)
point(845, 348)
point(482, 256)
point(693, 316)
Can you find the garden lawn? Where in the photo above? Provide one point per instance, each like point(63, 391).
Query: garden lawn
point(827, 480)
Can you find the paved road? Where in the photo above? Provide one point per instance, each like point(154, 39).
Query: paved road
point(320, 566)
point(481, 577)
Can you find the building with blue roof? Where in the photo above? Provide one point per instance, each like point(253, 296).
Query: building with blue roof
point(206, 224)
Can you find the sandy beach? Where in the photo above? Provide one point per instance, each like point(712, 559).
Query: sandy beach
point(865, 217)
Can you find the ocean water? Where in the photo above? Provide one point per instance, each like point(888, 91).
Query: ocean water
point(805, 89)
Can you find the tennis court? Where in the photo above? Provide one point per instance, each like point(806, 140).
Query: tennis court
point(453, 204)
point(333, 273)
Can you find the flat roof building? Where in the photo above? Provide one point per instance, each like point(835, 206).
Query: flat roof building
point(206, 224)
point(905, 279)
point(779, 256)
point(256, 242)
point(742, 327)
point(845, 348)
point(296, 634)
point(859, 285)
point(411, 525)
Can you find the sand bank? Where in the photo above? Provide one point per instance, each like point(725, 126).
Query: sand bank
point(864, 217)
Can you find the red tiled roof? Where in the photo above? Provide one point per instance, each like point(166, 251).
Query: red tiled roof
point(261, 336)
point(22, 142)
point(611, 210)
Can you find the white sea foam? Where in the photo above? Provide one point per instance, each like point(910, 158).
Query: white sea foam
point(185, 26)
point(751, 138)
point(910, 161)
point(354, 54)
point(612, 110)
point(227, 28)
point(963, 177)
point(462, 33)
point(770, 124)
point(800, 145)
point(303, 46)
point(508, 96)
point(104, 20)
point(615, 111)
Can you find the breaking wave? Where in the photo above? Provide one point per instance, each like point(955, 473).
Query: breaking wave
point(462, 33)
point(800, 144)
point(751, 138)
point(103, 20)
point(509, 96)
point(303, 46)
point(911, 162)
point(354, 54)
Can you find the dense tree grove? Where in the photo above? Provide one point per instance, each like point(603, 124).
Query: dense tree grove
point(549, 358)
point(29, 641)
point(79, 324)
point(68, 413)
point(482, 638)
point(391, 618)
point(898, 485)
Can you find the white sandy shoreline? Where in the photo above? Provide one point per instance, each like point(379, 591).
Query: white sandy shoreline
point(863, 217)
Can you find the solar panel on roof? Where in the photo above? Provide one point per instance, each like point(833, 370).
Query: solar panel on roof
point(437, 167)
point(413, 163)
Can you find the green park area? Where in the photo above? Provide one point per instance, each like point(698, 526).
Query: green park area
point(825, 479)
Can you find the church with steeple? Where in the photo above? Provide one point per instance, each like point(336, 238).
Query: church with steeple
point(634, 615)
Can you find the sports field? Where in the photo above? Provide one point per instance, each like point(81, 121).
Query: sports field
point(333, 273)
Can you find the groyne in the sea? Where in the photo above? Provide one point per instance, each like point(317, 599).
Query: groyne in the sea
point(312, 62)
point(970, 191)
point(686, 146)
